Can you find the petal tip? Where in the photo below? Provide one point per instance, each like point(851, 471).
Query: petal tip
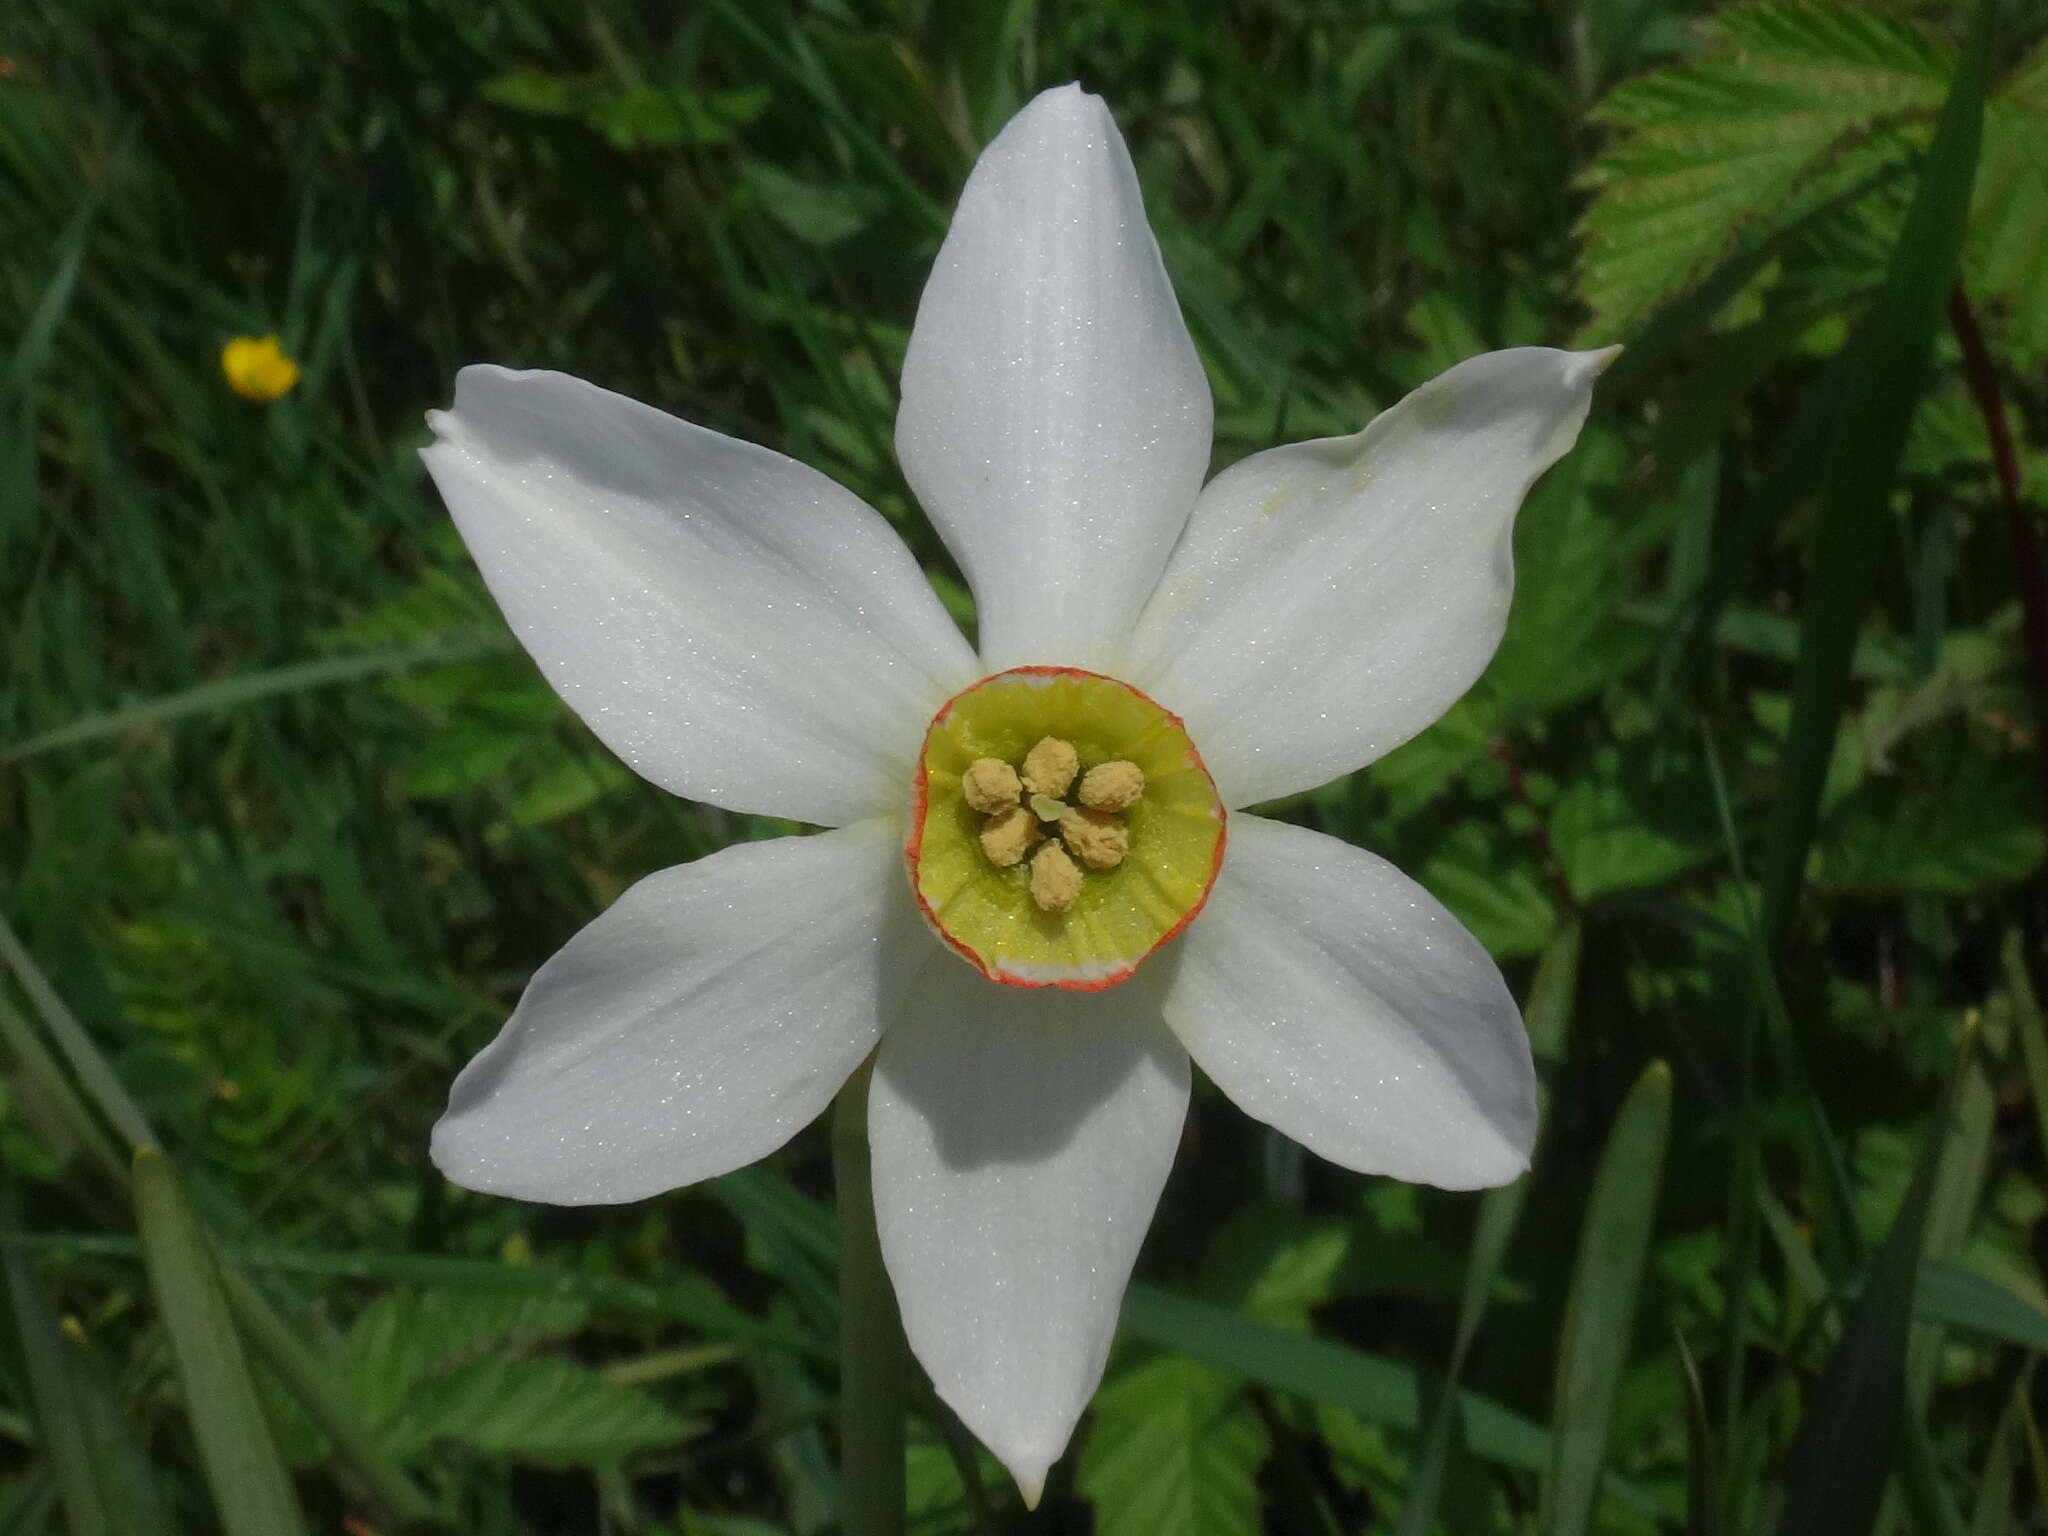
point(1585, 367)
point(1063, 109)
point(1029, 1470)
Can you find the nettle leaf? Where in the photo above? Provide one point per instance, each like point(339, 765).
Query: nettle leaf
point(2006, 257)
point(1275, 1262)
point(1791, 104)
point(1630, 822)
point(548, 1411)
point(1174, 1447)
point(404, 1342)
point(1951, 814)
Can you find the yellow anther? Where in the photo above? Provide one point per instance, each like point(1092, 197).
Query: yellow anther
point(1098, 839)
point(1055, 879)
point(1008, 835)
point(989, 785)
point(1112, 786)
point(1050, 767)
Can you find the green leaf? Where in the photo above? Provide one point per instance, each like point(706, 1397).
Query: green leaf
point(1839, 1464)
point(1955, 813)
point(1174, 1448)
point(250, 687)
point(1487, 877)
point(1564, 638)
point(251, 1490)
point(817, 213)
point(1790, 102)
point(1376, 1390)
point(309, 1378)
point(548, 1411)
point(1600, 1314)
point(1879, 375)
point(1962, 1298)
point(2007, 259)
point(96, 1458)
point(1631, 822)
point(1548, 1016)
point(1275, 1262)
point(404, 1341)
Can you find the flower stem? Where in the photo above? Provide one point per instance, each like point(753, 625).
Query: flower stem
point(872, 1378)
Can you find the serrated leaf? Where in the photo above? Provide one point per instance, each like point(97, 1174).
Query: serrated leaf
point(2006, 260)
point(537, 1410)
point(1174, 1448)
point(1791, 104)
point(403, 1341)
point(1630, 824)
point(1954, 815)
point(1275, 1262)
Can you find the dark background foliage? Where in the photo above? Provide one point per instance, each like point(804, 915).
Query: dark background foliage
point(286, 819)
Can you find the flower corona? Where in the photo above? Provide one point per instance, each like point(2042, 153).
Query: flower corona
point(1033, 891)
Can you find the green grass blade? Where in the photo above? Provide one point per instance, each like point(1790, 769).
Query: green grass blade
point(251, 1489)
point(1376, 1390)
point(1827, 1181)
point(1548, 1015)
point(252, 687)
point(96, 1075)
point(1991, 1514)
point(1702, 1486)
point(2033, 1032)
point(1600, 1317)
point(1962, 1298)
point(309, 1380)
point(95, 1456)
point(1841, 1459)
point(54, 1095)
point(1883, 370)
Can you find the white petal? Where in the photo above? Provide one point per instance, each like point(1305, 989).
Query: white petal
point(1331, 599)
point(1020, 1142)
point(1335, 999)
point(1055, 418)
point(734, 625)
point(694, 1027)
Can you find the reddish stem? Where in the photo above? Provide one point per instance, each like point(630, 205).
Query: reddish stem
point(2030, 577)
point(1552, 864)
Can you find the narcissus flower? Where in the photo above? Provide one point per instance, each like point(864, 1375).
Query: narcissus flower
point(1038, 899)
point(258, 367)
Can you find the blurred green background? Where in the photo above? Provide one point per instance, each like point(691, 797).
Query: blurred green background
point(1749, 806)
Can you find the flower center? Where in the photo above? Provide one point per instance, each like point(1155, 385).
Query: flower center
point(1062, 828)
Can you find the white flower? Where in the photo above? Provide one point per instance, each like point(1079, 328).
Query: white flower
point(742, 631)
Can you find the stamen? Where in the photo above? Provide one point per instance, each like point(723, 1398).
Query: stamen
point(1112, 786)
point(1050, 767)
point(1055, 879)
point(1098, 839)
point(1062, 828)
point(989, 785)
point(1008, 835)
